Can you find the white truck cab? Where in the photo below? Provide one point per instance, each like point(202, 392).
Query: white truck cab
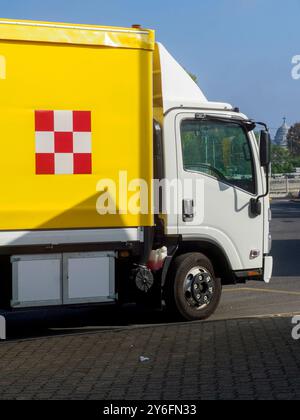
point(223, 225)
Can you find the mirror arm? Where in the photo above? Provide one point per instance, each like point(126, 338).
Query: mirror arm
point(263, 124)
point(255, 203)
point(268, 185)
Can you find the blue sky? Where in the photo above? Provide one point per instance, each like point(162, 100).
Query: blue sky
point(241, 50)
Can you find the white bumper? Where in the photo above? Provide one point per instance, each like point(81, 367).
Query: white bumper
point(268, 269)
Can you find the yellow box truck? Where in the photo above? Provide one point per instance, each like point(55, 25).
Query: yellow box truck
point(113, 168)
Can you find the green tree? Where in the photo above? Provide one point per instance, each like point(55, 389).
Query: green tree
point(294, 139)
point(282, 160)
point(193, 77)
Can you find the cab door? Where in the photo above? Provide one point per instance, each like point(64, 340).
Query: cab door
point(219, 170)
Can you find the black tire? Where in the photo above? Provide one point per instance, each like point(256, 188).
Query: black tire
point(178, 300)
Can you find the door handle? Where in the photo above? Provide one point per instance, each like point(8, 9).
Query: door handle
point(188, 211)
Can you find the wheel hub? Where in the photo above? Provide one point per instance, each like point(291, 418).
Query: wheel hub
point(199, 288)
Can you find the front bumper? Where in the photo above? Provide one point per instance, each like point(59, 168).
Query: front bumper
point(260, 274)
point(268, 269)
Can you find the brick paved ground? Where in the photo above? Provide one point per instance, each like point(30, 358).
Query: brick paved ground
point(238, 359)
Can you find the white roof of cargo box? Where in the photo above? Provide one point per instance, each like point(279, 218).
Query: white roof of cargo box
point(179, 89)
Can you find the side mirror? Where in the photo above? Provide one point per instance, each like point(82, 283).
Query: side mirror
point(265, 148)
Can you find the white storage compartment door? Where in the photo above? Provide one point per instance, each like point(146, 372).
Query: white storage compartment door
point(89, 278)
point(37, 280)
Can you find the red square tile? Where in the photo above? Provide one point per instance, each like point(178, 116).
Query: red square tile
point(63, 142)
point(82, 163)
point(82, 121)
point(44, 120)
point(45, 164)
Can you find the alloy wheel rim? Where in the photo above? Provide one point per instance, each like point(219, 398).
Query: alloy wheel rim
point(199, 287)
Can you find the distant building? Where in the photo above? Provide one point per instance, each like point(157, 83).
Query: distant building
point(281, 135)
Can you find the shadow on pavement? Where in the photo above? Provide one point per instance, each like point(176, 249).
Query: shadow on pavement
point(286, 210)
point(35, 324)
point(286, 258)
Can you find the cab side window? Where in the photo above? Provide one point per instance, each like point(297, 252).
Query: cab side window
point(220, 150)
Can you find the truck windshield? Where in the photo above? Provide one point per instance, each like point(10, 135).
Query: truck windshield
point(219, 149)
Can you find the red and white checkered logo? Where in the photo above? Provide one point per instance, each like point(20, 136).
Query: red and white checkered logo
point(63, 142)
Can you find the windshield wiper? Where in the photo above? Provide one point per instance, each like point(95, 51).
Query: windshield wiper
point(248, 124)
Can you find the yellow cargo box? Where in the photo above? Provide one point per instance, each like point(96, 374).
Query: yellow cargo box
point(76, 107)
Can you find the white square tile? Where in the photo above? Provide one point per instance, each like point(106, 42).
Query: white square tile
point(44, 142)
point(64, 163)
point(82, 142)
point(63, 121)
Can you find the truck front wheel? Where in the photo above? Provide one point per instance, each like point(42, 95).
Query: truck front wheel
point(192, 290)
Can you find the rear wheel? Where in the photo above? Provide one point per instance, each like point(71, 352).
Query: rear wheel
point(192, 291)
